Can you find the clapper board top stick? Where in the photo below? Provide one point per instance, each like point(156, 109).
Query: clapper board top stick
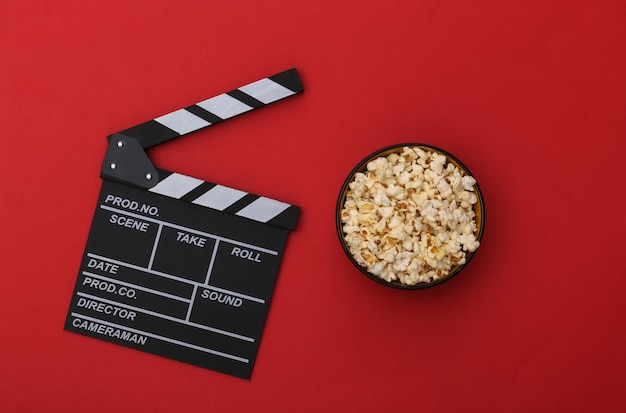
point(178, 266)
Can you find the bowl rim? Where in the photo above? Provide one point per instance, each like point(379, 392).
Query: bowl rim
point(341, 200)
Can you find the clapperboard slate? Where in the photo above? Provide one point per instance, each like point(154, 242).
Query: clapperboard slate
point(178, 266)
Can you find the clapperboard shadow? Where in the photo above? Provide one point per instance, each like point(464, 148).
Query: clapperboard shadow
point(175, 265)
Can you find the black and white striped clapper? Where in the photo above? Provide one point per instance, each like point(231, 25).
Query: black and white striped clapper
point(179, 266)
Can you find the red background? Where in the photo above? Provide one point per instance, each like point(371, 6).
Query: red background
point(530, 95)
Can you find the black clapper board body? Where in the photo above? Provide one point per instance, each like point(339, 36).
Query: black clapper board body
point(178, 266)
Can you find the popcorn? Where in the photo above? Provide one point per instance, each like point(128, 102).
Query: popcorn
point(409, 216)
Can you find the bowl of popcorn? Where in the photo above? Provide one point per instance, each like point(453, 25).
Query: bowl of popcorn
point(410, 216)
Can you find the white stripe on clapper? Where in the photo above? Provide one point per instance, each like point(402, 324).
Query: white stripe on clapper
point(176, 185)
point(219, 197)
point(266, 90)
point(182, 121)
point(263, 209)
point(224, 106)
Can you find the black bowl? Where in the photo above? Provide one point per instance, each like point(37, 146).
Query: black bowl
point(479, 210)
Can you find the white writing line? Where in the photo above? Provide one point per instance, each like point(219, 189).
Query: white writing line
point(208, 273)
point(166, 317)
point(193, 299)
point(163, 338)
point(137, 287)
point(173, 277)
point(154, 246)
point(229, 292)
point(191, 230)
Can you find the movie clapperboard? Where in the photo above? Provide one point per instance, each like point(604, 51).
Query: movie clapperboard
point(177, 266)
